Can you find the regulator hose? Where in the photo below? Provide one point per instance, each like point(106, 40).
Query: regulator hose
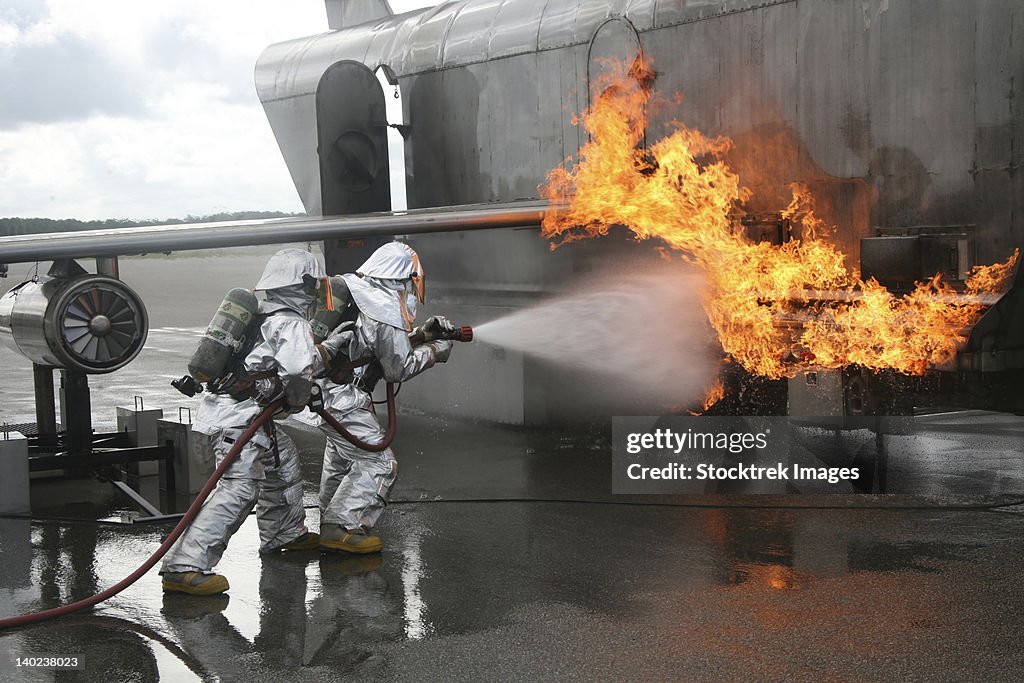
point(389, 435)
point(186, 520)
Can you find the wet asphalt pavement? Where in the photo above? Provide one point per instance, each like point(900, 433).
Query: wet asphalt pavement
point(478, 582)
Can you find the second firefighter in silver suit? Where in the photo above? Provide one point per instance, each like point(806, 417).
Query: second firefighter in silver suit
point(355, 483)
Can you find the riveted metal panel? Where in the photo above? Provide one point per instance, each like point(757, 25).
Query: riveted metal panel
point(831, 131)
point(516, 27)
point(640, 13)
point(388, 43)
point(559, 91)
point(673, 12)
point(426, 43)
point(558, 25)
point(510, 147)
point(593, 13)
point(998, 193)
point(293, 121)
point(470, 34)
point(287, 69)
point(920, 74)
point(446, 165)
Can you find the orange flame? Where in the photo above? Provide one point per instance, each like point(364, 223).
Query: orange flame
point(715, 394)
point(776, 309)
point(994, 278)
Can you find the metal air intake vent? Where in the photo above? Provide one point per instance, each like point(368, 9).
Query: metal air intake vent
point(95, 324)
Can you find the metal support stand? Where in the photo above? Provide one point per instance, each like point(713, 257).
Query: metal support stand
point(107, 265)
point(46, 407)
point(76, 411)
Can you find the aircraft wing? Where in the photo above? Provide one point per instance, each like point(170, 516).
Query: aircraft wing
point(165, 238)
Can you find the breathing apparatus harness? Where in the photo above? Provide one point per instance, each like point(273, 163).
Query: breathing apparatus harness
point(238, 382)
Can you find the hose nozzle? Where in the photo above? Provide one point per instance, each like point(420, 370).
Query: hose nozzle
point(462, 334)
point(422, 334)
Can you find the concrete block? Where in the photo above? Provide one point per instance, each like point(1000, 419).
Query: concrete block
point(14, 492)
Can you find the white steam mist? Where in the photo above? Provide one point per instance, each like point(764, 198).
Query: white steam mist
point(647, 335)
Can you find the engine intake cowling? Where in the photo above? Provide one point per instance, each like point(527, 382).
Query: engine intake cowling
point(92, 323)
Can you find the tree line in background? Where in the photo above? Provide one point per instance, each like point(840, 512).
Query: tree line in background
point(35, 226)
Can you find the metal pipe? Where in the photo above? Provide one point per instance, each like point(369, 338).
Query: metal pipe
point(160, 238)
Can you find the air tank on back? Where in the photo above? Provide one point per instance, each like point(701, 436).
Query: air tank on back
point(223, 335)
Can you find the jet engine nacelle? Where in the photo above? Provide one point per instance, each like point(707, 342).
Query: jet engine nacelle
point(90, 323)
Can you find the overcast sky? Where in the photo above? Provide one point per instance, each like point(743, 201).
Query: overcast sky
point(138, 109)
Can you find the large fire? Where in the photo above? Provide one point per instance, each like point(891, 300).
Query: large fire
point(776, 309)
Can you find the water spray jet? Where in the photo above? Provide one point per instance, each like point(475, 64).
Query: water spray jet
point(644, 338)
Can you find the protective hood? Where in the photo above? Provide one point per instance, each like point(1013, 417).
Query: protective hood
point(386, 301)
point(287, 267)
point(395, 261)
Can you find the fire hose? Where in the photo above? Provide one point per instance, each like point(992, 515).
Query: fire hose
point(317, 405)
point(186, 520)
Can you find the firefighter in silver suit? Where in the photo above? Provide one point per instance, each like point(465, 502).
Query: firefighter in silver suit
point(355, 483)
point(266, 474)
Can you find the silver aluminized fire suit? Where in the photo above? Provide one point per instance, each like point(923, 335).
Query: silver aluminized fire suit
point(355, 483)
point(263, 476)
